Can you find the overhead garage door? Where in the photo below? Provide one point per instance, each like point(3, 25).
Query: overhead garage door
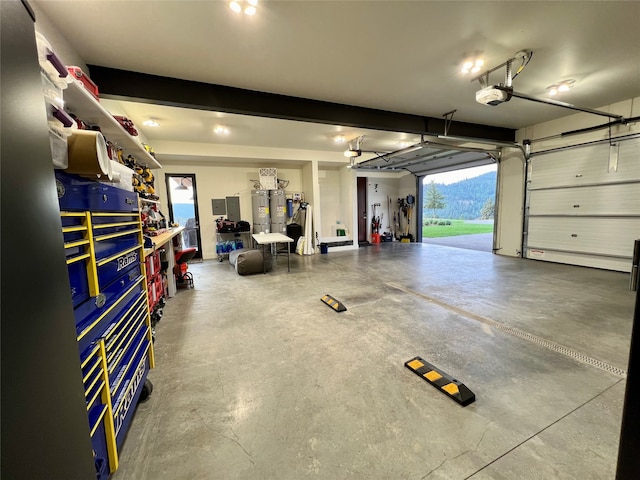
point(583, 205)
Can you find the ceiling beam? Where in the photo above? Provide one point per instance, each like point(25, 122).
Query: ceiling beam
point(154, 89)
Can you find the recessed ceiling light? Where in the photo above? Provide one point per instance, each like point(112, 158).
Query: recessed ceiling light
point(560, 87)
point(249, 7)
point(472, 66)
point(339, 139)
point(220, 130)
point(151, 123)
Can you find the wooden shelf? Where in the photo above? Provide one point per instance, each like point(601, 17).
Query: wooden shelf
point(82, 104)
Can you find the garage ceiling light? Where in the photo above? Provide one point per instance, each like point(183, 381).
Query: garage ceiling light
point(220, 130)
point(249, 7)
point(472, 66)
point(560, 87)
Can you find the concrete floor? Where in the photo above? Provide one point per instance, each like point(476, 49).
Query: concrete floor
point(256, 378)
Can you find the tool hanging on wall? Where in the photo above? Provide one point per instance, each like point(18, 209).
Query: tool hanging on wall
point(396, 226)
point(406, 206)
point(376, 221)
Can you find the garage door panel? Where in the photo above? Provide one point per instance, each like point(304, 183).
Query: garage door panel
point(601, 236)
point(583, 166)
point(594, 261)
point(617, 199)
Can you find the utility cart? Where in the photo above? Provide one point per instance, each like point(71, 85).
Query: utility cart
point(231, 236)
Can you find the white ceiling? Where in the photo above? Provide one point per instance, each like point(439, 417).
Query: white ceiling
point(391, 55)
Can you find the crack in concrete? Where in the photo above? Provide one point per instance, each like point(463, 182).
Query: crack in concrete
point(237, 442)
point(475, 449)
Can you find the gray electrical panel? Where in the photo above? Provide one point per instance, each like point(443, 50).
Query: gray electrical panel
point(219, 206)
point(233, 209)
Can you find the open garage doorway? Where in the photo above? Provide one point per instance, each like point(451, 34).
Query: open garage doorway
point(458, 208)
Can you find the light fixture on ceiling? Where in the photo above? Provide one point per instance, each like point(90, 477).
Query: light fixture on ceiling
point(220, 130)
point(182, 186)
point(472, 66)
point(150, 123)
point(339, 138)
point(248, 7)
point(354, 152)
point(560, 87)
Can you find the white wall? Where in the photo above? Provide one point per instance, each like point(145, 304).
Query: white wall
point(330, 185)
point(58, 40)
point(220, 182)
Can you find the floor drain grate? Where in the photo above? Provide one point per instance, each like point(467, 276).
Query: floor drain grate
point(516, 332)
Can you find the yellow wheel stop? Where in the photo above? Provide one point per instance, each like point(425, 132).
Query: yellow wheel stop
point(445, 383)
point(333, 303)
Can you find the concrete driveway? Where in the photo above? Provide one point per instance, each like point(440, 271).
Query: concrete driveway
point(480, 241)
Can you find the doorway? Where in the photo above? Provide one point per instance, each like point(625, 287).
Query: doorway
point(183, 208)
point(362, 211)
point(458, 208)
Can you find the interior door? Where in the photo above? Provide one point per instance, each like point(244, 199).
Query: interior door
point(183, 208)
point(362, 210)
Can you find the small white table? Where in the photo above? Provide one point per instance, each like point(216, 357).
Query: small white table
point(270, 238)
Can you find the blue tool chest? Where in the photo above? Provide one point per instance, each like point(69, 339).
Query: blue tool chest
point(105, 258)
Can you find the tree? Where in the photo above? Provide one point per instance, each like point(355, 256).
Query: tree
point(434, 200)
point(488, 209)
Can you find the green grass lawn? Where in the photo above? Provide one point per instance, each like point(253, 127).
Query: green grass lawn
point(457, 227)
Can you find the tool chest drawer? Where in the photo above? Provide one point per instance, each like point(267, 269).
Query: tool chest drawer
point(82, 194)
point(77, 248)
point(113, 269)
point(99, 410)
point(132, 383)
point(93, 377)
point(104, 310)
point(114, 237)
point(99, 441)
point(122, 338)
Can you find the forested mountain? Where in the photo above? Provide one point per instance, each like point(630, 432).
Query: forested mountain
point(464, 199)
